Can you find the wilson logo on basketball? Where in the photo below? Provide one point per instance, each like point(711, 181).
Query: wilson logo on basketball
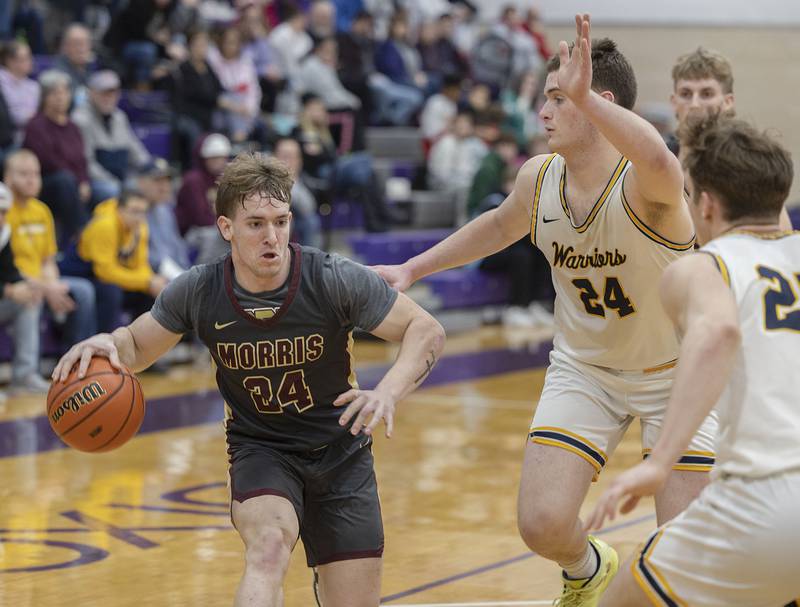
point(75, 401)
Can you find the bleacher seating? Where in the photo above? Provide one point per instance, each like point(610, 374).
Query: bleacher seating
point(394, 247)
point(467, 287)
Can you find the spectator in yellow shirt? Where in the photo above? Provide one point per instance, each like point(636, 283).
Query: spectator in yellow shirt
point(112, 251)
point(71, 300)
point(20, 304)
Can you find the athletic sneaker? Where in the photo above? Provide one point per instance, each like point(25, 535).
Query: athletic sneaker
point(587, 593)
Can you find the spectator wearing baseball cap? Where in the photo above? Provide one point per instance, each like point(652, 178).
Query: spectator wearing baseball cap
point(113, 150)
point(195, 206)
point(169, 253)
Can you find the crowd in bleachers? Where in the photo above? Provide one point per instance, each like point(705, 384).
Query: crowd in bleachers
point(116, 117)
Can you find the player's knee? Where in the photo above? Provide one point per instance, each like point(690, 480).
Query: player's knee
point(268, 550)
point(542, 527)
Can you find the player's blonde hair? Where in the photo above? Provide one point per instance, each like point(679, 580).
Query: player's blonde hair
point(248, 174)
point(704, 63)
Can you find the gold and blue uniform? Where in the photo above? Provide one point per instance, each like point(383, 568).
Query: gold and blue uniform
point(736, 544)
point(614, 347)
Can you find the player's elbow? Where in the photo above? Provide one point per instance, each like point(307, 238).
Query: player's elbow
point(662, 161)
point(723, 334)
point(435, 335)
point(429, 333)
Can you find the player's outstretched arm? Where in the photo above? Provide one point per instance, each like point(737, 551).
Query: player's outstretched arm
point(136, 346)
point(485, 235)
point(703, 309)
point(657, 175)
point(421, 340)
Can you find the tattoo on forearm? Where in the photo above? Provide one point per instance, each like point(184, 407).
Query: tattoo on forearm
point(429, 363)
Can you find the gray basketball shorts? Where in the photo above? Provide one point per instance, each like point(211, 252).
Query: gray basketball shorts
point(333, 490)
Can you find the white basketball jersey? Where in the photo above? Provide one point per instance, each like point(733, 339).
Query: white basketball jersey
point(606, 275)
point(759, 411)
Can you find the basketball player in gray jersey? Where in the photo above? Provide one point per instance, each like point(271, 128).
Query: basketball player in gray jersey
point(278, 320)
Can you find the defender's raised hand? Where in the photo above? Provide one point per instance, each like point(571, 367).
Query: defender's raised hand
point(575, 70)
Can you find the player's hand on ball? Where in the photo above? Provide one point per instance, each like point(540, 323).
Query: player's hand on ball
point(364, 404)
point(82, 352)
point(645, 479)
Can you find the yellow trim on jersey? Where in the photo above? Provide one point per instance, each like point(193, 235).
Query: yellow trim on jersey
point(723, 269)
point(690, 466)
point(537, 192)
point(660, 583)
point(620, 168)
point(764, 235)
point(572, 442)
point(584, 440)
point(645, 586)
point(651, 234)
point(352, 380)
point(661, 367)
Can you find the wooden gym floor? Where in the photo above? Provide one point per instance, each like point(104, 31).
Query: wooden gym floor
point(148, 524)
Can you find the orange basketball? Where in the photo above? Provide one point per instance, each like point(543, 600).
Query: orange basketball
point(98, 413)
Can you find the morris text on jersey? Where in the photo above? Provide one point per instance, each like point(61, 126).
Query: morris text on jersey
point(271, 353)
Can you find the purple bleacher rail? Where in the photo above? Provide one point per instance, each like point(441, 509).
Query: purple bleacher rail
point(344, 215)
point(468, 287)
point(157, 138)
point(794, 215)
point(404, 168)
point(394, 247)
point(49, 344)
point(146, 108)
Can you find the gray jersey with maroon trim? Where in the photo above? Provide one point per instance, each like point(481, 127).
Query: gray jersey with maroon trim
point(282, 356)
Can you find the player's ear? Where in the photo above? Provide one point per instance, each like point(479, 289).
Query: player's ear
point(608, 96)
point(225, 227)
point(706, 202)
point(727, 102)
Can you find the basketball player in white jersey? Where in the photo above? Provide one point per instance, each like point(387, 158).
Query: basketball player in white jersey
point(702, 85)
point(736, 304)
point(607, 211)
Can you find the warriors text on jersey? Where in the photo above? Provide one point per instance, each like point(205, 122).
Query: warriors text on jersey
point(606, 274)
point(283, 356)
point(758, 412)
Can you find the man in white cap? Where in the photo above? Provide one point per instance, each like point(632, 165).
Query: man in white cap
point(112, 148)
point(21, 304)
point(195, 204)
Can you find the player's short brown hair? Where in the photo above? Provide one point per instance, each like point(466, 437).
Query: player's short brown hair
point(704, 63)
point(248, 174)
point(746, 168)
point(611, 71)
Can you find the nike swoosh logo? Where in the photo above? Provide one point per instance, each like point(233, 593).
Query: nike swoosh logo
point(219, 326)
point(546, 220)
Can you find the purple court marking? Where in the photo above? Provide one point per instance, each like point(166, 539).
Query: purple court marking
point(88, 530)
point(125, 535)
point(180, 496)
point(34, 435)
point(498, 564)
point(87, 554)
point(169, 510)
